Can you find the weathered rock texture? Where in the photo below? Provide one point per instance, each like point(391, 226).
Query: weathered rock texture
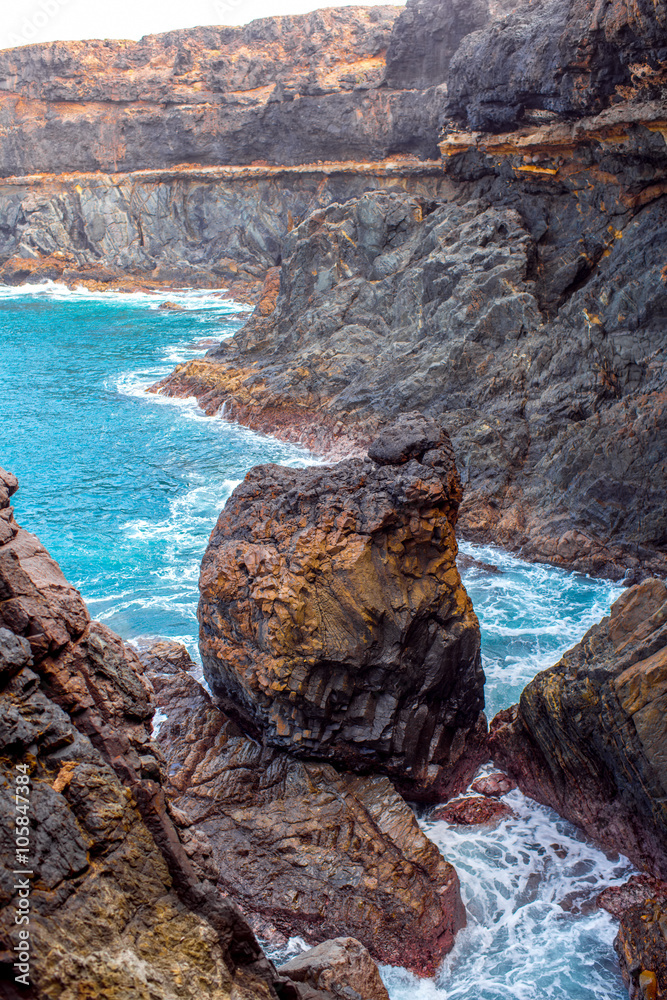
point(343, 967)
point(206, 228)
point(282, 90)
point(588, 736)
point(303, 846)
point(512, 306)
point(558, 57)
point(333, 620)
point(641, 907)
point(116, 907)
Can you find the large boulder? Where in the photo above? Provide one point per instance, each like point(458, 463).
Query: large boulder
point(333, 620)
point(305, 848)
point(116, 907)
point(589, 735)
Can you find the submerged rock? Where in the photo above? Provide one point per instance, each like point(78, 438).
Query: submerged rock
point(116, 909)
point(475, 810)
point(307, 847)
point(641, 907)
point(588, 736)
point(342, 967)
point(333, 620)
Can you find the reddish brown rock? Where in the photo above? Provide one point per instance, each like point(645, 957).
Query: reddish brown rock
point(494, 785)
point(333, 620)
point(472, 811)
point(588, 736)
point(305, 847)
point(75, 708)
point(641, 907)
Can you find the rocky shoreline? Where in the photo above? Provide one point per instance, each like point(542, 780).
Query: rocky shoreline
point(451, 221)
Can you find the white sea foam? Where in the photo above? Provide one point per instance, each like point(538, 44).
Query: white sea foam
point(194, 299)
point(529, 886)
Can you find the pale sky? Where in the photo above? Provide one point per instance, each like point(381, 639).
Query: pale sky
point(27, 21)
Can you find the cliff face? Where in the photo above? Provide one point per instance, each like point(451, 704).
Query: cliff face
point(509, 305)
point(211, 228)
point(283, 90)
point(75, 709)
point(588, 736)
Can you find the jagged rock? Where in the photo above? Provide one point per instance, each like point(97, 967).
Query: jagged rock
point(305, 846)
point(280, 90)
point(641, 907)
point(474, 810)
point(570, 57)
point(333, 620)
point(342, 967)
point(588, 736)
point(426, 36)
point(116, 906)
point(482, 309)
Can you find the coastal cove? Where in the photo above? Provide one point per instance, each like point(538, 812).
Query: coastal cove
point(124, 487)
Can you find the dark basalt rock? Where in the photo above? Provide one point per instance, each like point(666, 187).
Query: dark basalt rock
point(425, 38)
point(589, 734)
point(570, 57)
point(333, 621)
point(641, 945)
point(306, 848)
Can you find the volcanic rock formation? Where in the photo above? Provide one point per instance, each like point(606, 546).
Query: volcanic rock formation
point(115, 905)
point(333, 620)
point(589, 735)
point(641, 907)
point(343, 967)
point(305, 848)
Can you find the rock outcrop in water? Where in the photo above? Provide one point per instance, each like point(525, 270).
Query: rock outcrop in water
point(517, 292)
point(116, 908)
point(589, 735)
point(333, 620)
point(305, 848)
point(641, 945)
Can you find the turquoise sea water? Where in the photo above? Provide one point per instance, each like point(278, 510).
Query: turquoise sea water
point(124, 487)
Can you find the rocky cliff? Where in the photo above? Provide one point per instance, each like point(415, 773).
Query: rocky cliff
point(333, 620)
point(515, 291)
point(588, 736)
point(283, 90)
point(115, 904)
point(118, 902)
point(306, 848)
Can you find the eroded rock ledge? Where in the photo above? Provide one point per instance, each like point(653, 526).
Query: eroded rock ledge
point(333, 620)
point(305, 848)
point(588, 736)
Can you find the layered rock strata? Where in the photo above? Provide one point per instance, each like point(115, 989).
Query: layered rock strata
point(333, 620)
point(306, 848)
point(641, 944)
point(116, 908)
point(588, 736)
point(283, 90)
point(510, 306)
point(211, 228)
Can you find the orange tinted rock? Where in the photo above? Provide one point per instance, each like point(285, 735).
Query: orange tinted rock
point(333, 620)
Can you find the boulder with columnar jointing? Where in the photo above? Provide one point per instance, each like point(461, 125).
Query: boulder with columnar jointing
point(333, 620)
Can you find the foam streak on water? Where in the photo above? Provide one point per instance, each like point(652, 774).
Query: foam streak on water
point(124, 487)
